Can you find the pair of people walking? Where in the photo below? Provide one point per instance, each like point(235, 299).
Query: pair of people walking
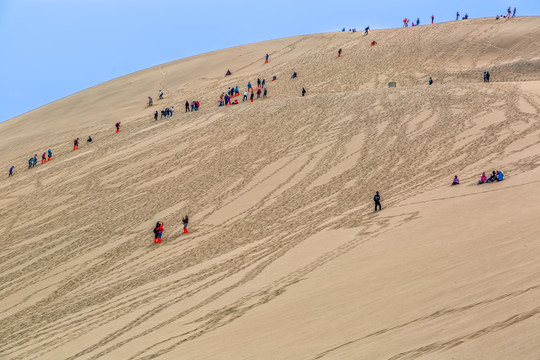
point(158, 229)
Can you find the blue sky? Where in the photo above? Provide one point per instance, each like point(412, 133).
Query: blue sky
point(54, 48)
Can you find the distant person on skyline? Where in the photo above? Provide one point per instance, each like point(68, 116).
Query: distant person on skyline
point(417, 21)
point(377, 200)
point(11, 170)
point(457, 15)
point(432, 18)
point(514, 14)
point(366, 30)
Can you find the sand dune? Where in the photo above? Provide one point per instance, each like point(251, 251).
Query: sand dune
point(285, 258)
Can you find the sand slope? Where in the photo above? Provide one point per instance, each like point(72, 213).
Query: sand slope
point(285, 258)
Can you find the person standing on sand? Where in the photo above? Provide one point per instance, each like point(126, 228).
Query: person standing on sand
point(158, 232)
point(185, 220)
point(251, 97)
point(49, 154)
point(303, 92)
point(377, 199)
point(11, 170)
point(339, 53)
point(245, 96)
point(43, 158)
point(155, 115)
point(76, 144)
point(264, 93)
point(117, 126)
point(430, 81)
point(266, 59)
point(187, 106)
point(457, 15)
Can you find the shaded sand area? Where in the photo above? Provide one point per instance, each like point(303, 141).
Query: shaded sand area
point(285, 258)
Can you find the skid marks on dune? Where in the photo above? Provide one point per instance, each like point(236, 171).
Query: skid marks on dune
point(258, 180)
point(448, 312)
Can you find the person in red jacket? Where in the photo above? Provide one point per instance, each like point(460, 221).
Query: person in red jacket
point(158, 232)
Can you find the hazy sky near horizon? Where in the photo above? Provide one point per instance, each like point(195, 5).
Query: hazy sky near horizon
point(54, 48)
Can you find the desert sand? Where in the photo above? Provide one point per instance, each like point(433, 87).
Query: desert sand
point(285, 258)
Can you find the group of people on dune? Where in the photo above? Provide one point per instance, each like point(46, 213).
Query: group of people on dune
point(158, 229)
point(496, 175)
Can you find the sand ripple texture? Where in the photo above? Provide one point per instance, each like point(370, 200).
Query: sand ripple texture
point(285, 258)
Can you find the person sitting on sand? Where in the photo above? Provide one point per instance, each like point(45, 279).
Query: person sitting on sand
point(150, 101)
point(483, 179)
point(89, 139)
point(456, 181)
point(500, 176)
point(274, 78)
point(373, 43)
point(293, 75)
point(228, 73)
point(493, 177)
